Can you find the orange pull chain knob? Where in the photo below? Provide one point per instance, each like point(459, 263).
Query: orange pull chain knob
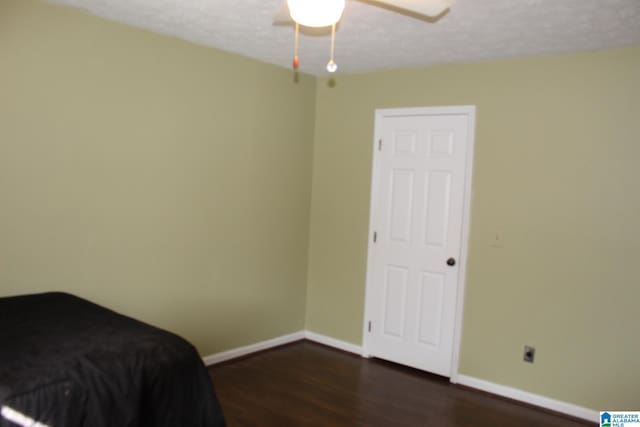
point(296, 60)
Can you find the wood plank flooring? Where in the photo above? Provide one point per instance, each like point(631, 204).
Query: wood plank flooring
point(307, 384)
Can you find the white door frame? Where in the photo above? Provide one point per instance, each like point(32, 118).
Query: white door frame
point(380, 114)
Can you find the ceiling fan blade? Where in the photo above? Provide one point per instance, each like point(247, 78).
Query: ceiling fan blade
point(283, 17)
point(429, 8)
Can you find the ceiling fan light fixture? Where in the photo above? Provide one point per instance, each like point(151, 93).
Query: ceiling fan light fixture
point(316, 13)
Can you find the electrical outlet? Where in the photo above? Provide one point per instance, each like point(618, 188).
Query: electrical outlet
point(529, 354)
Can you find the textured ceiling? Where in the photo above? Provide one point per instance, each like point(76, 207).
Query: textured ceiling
point(371, 38)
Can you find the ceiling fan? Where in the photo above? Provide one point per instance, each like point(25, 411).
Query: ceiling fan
point(325, 13)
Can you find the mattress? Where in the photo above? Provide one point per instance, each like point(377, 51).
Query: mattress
point(67, 362)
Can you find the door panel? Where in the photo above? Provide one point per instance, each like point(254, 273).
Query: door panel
point(395, 295)
point(437, 202)
point(401, 205)
point(430, 309)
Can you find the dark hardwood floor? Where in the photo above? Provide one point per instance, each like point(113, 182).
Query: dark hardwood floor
point(307, 384)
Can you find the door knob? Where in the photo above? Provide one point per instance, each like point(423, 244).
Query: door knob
point(451, 262)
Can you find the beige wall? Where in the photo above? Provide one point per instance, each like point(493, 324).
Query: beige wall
point(172, 183)
point(556, 173)
point(165, 180)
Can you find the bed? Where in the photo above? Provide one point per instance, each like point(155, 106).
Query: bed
point(66, 362)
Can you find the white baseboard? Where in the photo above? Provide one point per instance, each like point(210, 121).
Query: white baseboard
point(275, 342)
point(332, 342)
point(530, 398)
point(253, 348)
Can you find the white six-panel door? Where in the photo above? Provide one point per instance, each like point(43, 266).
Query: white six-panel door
point(419, 188)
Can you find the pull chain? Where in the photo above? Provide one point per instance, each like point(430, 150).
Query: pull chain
point(332, 66)
point(296, 60)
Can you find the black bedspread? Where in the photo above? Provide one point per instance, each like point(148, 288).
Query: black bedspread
point(66, 362)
